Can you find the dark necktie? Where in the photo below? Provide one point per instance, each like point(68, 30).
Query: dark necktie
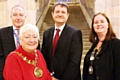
point(55, 40)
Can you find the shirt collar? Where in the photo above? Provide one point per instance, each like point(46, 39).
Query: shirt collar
point(14, 28)
point(61, 27)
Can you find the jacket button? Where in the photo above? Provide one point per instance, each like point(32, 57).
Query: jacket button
point(96, 67)
point(97, 57)
point(97, 78)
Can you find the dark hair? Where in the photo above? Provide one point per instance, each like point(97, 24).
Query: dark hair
point(63, 4)
point(110, 34)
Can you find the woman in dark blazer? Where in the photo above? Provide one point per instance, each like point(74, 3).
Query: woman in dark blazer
point(102, 61)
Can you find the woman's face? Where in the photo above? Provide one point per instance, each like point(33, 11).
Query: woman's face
point(29, 40)
point(100, 24)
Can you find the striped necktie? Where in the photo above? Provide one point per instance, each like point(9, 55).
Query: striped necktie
point(17, 38)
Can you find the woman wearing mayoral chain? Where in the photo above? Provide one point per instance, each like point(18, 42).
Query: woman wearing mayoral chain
point(26, 62)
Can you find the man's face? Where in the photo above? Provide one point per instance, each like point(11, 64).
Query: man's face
point(60, 14)
point(18, 17)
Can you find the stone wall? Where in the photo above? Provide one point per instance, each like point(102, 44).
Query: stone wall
point(112, 9)
point(89, 6)
point(3, 14)
point(31, 7)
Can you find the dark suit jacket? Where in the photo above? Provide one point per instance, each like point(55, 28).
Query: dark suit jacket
point(67, 56)
point(106, 63)
point(7, 44)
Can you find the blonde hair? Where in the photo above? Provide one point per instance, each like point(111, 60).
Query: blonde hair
point(28, 27)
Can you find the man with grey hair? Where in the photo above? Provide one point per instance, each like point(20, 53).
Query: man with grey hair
point(9, 40)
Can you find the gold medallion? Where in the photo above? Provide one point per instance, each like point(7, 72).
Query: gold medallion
point(38, 72)
point(90, 70)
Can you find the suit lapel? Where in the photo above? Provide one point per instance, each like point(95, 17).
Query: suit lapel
point(104, 47)
point(51, 35)
point(62, 36)
point(51, 39)
point(11, 37)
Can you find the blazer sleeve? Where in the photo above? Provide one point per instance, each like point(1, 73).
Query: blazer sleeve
point(116, 58)
point(73, 67)
point(11, 68)
point(43, 49)
point(1, 58)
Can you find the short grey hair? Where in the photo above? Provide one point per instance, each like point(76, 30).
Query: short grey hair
point(28, 27)
point(19, 7)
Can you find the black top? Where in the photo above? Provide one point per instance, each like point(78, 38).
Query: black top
point(106, 64)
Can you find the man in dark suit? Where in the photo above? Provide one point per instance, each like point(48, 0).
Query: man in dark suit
point(64, 61)
point(8, 38)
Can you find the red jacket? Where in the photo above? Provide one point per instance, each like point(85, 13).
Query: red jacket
point(17, 69)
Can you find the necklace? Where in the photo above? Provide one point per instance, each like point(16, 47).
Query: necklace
point(37, 71)
point(92, 57)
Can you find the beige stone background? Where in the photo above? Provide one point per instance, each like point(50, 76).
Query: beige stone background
point(110, 7)
point(5, 8)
